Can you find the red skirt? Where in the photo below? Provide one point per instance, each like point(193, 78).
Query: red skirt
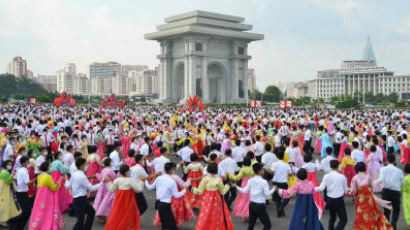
point(124, 213)
point(368, 214)
point(194, 200)
point(181, 210)
point(320, 203)
point(199, 147)
point(349, 173)
point(214, 213)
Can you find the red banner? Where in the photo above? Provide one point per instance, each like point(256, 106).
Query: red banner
point(286, 104)
point(33, 101)
point(255, 103)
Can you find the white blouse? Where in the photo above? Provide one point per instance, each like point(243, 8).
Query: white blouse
point(125, 183)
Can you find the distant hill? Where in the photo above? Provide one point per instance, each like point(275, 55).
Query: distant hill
point(11, 86)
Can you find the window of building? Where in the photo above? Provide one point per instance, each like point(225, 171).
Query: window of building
point(241, 89)
point(241, 50)
point(198, 46)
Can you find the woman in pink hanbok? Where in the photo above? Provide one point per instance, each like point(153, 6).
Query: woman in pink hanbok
point(126, 143)
point(46, 214)
point(59, 174)
point(104, 199)
point(99, 143)
point(93, 169)
point(373, 167)
point(311, 169)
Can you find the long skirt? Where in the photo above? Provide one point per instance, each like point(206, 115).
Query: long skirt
point(404, 154)
point(349, 173)
point(182, 212)
point(124, 213)
point(103, 201)
point(93, 169)
point(368, 214)
point(214, 213)
point(241, 207)
point(64, 196)
point(194, 200)
point(9, 207)
point(318, 146)
point(46, 214)
point(305, 214)
point(320, 203)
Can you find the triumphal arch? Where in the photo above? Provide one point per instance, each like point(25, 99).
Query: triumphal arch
point(204, 54)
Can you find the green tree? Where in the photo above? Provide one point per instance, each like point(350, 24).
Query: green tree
point(255, 94)
point(393, 97)
point(347, 102)
point(272, 94)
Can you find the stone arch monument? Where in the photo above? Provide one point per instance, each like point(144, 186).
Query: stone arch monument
point(204, 54)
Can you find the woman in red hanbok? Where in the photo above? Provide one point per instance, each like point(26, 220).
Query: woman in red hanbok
point(194, 171)
point(368, 214)
point(214, 213)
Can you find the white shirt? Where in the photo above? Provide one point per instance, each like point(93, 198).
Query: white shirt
point(358, 156)
point(137, 172)
point(291, 153)
point(79, 184)
point(281, 171)
point(259, 189)
point(68, 159)
point(73, 168)
point(125, 183)
point(392, 177)
point(159, 163)
point(185, 153)
point(238, 154)
point(379, 153)
point(166, 187)
point(17, 166)
point(8, 152)
point(335, 184)
point(23, 179)
point(267, 159)
point(308, 135)
point(390, 141)
point(325, 164)
point(144, 150)
point(39, 161)
point(258, 147)
point(116, 161)
point(227, 165)
point(134, 146)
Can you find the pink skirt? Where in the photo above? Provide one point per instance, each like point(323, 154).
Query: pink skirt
point(242, 202)
point(64, 198)
point(318, 146)
point(103, 201)
point(46, 212)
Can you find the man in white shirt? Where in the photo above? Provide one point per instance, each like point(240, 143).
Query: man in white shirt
point(40, 159)
point(145, 150)
point(166, 188)
point(228, 165)
point(392, 179)
point(9, 150)
point(238, 153)
point(280, 171)
point(68, 158)
point(357, 154)
point(23, 181)
point(159, 162)
point(115, 157)
point(185, 152)
point(258, 189)
point(73, 167)
point(138, 173)
point(79, 186)
point(325, 163)
point(307, 148)
point(336, 186)
point(258, 148)
point(390, 142)
point(267, 160)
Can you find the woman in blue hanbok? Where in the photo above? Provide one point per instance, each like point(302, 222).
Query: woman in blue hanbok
point(325, 143)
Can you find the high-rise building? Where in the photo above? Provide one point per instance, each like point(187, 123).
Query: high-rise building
point(70, 68)
point(49, 82)
point(17, 67)
point(101, 86)
point(120, 83)
point(81, 85)
point(104, 70)
point(65, 82)
point(251, 80)
point(143, 83)
point(134, 67)
point(358, 76)
point(297, 89)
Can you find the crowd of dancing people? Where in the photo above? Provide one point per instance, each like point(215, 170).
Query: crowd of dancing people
point(95, 162)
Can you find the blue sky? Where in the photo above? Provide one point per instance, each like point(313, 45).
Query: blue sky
point(301, 36)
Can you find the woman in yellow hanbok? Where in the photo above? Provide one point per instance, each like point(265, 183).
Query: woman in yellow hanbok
point(8, 204)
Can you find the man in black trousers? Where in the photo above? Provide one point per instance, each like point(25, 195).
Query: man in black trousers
point(26, 203)
point(392, 178)
point(80, 185)
point(336, 186)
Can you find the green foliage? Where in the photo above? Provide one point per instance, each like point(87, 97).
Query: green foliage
point(347, 102)
point(19, 88)
point(272, 94)
point(302, 101)
point(255, 94)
